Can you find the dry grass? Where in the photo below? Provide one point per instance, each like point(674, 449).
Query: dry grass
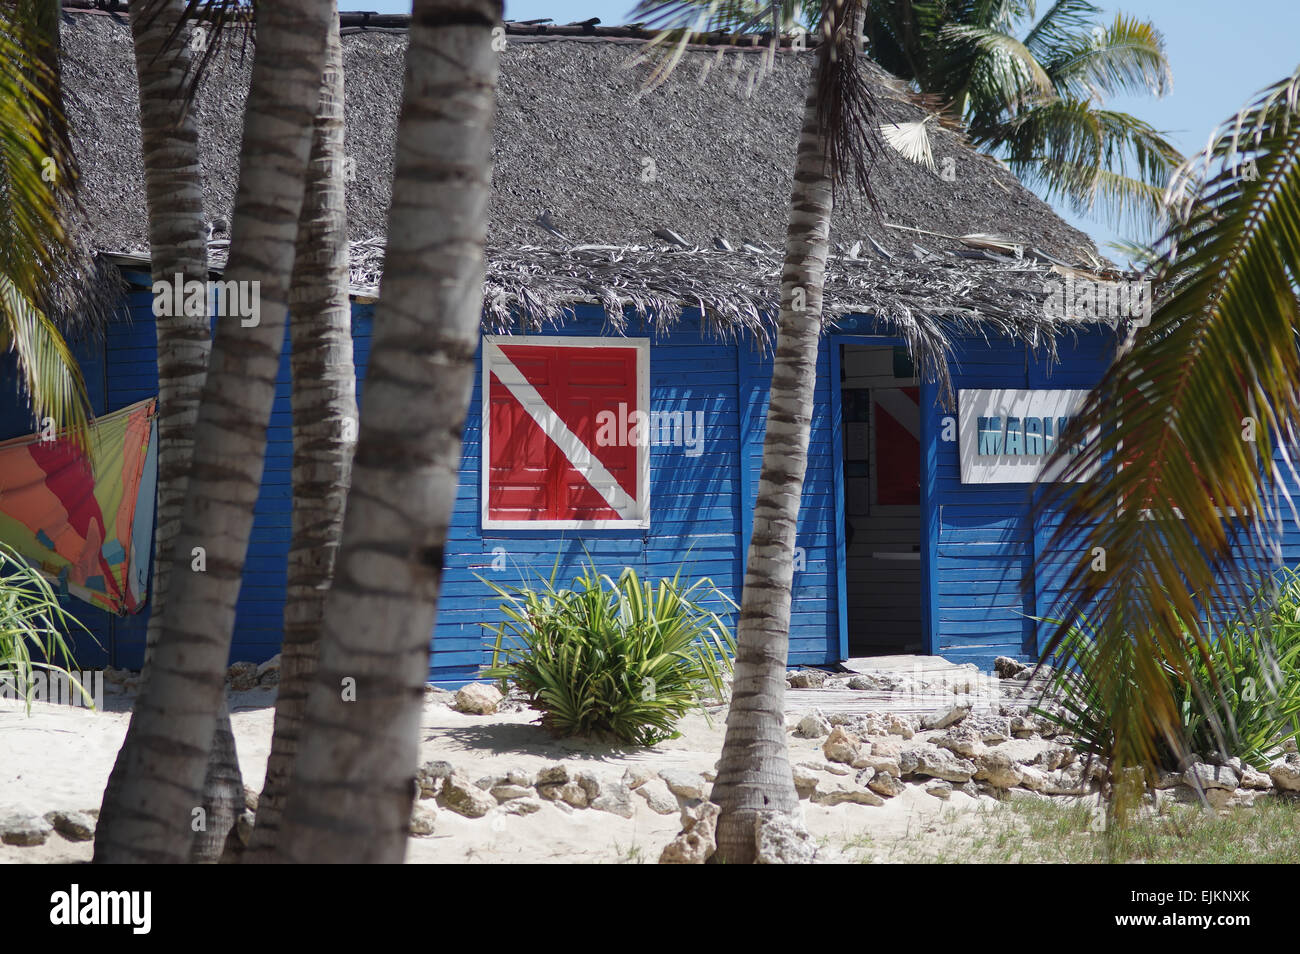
point(1073, 832)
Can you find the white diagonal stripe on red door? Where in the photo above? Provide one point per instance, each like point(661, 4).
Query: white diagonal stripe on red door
point(899, 406)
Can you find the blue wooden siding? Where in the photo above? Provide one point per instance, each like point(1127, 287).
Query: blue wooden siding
point(981, 543)
point(993, 572)
point(1089, 360)
point(695, 517)
point(695, 504)
point(814, 608)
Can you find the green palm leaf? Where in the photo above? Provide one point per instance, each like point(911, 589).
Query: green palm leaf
point(1097, 159)
point(51, 376)
point(1128, 57)
point(1141, 255)
point(967, 54)
point(1062, 24)
point(999, 70)
point(1188, 509)
point(37, 189)
point(1092, 189)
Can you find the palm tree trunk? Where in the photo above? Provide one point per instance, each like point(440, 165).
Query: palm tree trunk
point(754, 779)
point(156, 788)
point(324, 433)
point(223, 796)
point(178, 246)
point(351, 793)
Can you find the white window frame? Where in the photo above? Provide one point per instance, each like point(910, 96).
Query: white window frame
point(642, 348)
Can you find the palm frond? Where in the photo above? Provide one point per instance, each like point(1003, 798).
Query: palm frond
point(38, 176)
point(965, 54)
point(1139, 254)
point(212, 25)
point(1061, 25)
point(37, 170)
point(846, 106)
point(52, 378)
point(1087, 154)
point(1000, 70)
point(678, 23)
point(1129, 57)
point(995, 14)
point(893, 32)
point(706, 16)
point(1195, 464)
point(911, 141)
point(1093, 190)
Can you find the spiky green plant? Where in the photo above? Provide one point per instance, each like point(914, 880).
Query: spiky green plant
point(1249, 679)
point(620, 660)
point(1242, 698)
point(32, 625)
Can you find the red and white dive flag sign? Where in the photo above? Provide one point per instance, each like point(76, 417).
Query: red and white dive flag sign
point(551, 460)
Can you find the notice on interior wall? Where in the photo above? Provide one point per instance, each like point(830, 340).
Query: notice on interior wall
point(1007, 435)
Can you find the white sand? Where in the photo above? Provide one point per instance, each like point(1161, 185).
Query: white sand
point(60, 758)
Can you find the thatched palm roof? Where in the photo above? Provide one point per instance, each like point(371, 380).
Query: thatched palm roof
point(575, 138)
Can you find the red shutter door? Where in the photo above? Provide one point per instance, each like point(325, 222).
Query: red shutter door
point(522, 465)
point(532, 477)
point(596, 380)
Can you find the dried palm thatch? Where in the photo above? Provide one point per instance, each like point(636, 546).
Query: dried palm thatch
point(589, 170)
point(85, 292)
point(576, 135)
point(927, 298)
point(989, 288)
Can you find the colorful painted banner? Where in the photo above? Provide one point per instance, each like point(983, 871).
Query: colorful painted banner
point(86, 521)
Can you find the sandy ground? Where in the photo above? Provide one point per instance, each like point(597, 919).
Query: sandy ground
point(60, 758)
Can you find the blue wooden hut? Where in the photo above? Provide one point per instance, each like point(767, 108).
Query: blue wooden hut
point(633, 269)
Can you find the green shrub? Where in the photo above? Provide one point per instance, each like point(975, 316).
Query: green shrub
point(1246, 699)
point(30, 621)
point(1242, 698)
point(620, 661)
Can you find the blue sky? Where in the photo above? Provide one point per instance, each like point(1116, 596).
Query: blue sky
point(1222, 53)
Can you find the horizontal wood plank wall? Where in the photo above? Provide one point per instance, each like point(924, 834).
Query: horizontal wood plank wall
point(694, 500)
point(989, 537)
point(995, 569)
point(985, 540)
point(1088, 356)
point(814, 613)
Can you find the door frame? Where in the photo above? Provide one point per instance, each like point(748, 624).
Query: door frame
point(929, 541)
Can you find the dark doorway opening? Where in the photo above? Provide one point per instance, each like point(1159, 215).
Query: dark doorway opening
point(880, 399)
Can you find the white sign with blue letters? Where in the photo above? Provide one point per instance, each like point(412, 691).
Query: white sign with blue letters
point(1005, 435)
